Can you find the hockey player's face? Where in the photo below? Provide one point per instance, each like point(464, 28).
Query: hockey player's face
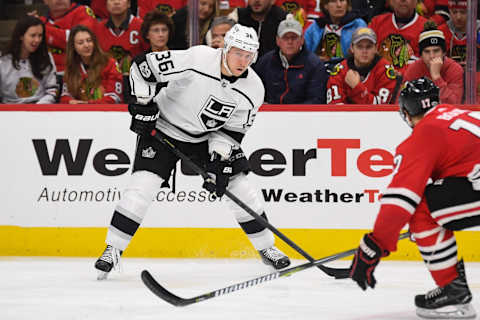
point(337, 8)
point(363, 52)
point(32, 39)
point(158, 36)
point(238, 60)
point(205, 9)
point(83, 44)
point(403, 8)
point(459, 18)
point(117, 7)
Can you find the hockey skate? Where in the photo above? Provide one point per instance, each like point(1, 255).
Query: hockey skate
point(274, 257)
point(110, 259)
point(449, 302)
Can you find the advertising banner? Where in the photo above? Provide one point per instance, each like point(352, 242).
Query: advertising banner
point(319, 170)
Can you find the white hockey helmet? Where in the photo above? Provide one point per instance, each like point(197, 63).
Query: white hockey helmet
point(241, 37)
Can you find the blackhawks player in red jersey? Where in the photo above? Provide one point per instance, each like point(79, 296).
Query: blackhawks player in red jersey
point(445, 147)
point(62, 16)
point(364, 77)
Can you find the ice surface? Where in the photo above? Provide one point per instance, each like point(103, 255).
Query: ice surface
point(66, 288)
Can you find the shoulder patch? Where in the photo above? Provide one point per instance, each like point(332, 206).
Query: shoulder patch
point(336, 69)
point(89, 11)
point(390, 72)
point(144, 68)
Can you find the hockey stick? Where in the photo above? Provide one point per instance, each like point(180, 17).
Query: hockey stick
point(177, 301)
point(333, 272)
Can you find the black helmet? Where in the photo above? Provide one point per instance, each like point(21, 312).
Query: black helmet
point(418, 96)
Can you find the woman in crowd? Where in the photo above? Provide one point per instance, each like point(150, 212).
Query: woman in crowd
point(91, 76)
point(157, 30)
point(330, 36)
point(207, 10)
point(27, 70)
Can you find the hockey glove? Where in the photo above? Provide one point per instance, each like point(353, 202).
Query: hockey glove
point(366, 259)
point(219, 172)
point(144, 118)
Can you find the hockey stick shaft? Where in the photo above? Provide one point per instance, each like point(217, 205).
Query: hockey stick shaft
point(177, 301)
point(337, 273)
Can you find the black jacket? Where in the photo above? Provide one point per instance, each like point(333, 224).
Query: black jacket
point(268, 28)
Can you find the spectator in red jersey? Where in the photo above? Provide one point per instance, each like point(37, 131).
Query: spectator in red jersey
point(301, 9)
point(120, 34)
point(91, 76)
point(207, 10)
point(62, 16)
point(455, 31)
point(398, 32)
point(220, 26)
point(156, 30)
point(434, 10)
point(445, 73)
point(168, 7)
point(291, 74)
point(364, 77)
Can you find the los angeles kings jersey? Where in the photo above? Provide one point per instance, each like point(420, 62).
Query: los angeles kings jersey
point(196, 103)
point(445, 143)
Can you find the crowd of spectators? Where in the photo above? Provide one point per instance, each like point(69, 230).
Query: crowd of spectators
point(311, 51)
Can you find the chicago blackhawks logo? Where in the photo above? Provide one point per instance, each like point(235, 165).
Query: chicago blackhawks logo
point(330, 47)
point(26, 87)
point(123, 58)
point(290, 6)
point(459, 53)
point(166, 9)
point(215, 113)
point(396, 50)
point(88, 92)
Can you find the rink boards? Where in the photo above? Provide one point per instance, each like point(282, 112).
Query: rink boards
point(319, 169)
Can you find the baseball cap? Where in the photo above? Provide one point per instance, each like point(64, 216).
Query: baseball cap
point(363, 33)
point(289, 25)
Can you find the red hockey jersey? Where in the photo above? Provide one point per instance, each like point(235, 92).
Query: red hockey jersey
point(109, 91)
point(58, 28)
point(445, 143)
point(294, 7)
point(398, 45)
point(456, 47)
point(166, 6)
point(376, 87)
point(124, 46)
point(99, 7)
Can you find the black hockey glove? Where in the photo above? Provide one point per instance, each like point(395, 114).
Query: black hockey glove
point(219, 172)
point(144, 118)
point(366, 259)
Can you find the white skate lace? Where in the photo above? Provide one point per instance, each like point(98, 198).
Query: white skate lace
point(112, 256)
point(433, 293)
point(273, 253)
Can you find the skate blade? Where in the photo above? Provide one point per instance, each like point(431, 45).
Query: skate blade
point(459, 311)
point(102, 275)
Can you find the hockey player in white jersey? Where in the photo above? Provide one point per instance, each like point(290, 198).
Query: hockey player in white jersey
point(204, 100)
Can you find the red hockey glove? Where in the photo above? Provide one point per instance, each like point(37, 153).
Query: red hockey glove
point(366, 259)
